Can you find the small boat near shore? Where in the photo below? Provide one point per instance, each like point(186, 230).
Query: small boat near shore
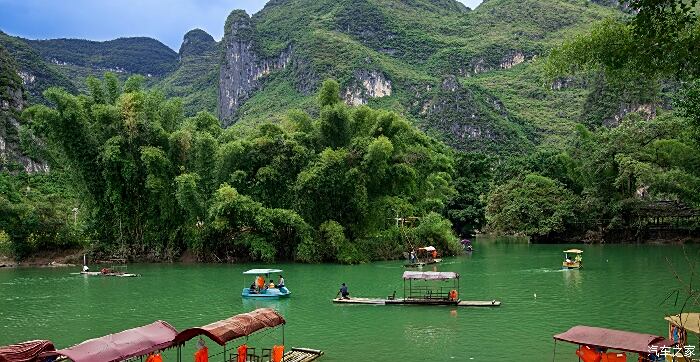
point(107, 274)
point(422, 257)
point(117, 269)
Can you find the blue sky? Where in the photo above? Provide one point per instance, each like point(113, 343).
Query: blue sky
point(165, 20)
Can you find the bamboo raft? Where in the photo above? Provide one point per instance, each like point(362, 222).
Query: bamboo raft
point(302, 355)
point(401, 301)
point(100, 274)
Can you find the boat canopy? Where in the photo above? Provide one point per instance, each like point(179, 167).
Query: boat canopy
point(427, 248)
point(121, 346)
point(688, 321)
point(238, 326)
point(611, 338)
point(429, 275)
point(25, 351)
point(261, 271)
point(574, 251)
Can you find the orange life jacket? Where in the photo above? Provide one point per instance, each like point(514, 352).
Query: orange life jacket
point(261, 282)
point(202, 355)
point(588, 354)
point(277, 353)
point(242, 353)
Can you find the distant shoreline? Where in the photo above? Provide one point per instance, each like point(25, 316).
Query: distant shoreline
point(73, 258)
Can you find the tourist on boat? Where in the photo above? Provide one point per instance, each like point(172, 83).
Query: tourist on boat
point(154, 357)
point(202, 354)
point(253, 289)
point(280, 282)
point(271, 285)
point(261, 282)
point(85, 269)
point(343, 291)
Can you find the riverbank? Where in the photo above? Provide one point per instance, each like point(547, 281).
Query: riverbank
point(60, 258)
point(74, 257)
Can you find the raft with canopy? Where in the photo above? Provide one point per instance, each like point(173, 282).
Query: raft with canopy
point(242, 326)
point(424, 255)
point(131, 343)
point(594, 344)
point(26, 351)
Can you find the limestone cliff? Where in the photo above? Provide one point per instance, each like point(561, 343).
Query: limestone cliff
point(12, 102)
point(242, 68)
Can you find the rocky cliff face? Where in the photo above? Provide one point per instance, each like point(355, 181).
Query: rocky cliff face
point(367, 85)
point(467, 117)
point(12, 102)
point(242, 68)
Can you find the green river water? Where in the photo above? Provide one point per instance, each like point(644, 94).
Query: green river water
point(622, 286)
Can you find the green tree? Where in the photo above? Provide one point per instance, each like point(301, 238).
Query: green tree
point(534, 206)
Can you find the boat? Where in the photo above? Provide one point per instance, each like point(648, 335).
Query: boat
point(262, 291)
point(231, 334)
point(424, 288)
point(679, 326)
point(595, 344)
point(107, 273)
point(467, 245)
point(576, 262)
point(117, 269)
point(423, 256)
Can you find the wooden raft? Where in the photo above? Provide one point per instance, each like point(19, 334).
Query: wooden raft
point(401, 301)
point(302, 355)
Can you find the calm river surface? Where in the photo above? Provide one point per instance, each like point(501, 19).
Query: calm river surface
point(622, 286)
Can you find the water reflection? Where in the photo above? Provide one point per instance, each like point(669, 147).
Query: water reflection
point(572, 277)
point(281, 305)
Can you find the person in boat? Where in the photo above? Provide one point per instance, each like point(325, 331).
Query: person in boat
point(434, 254)
point(154, 357)
point(85, 269)
point(253, 289)
point(412, 256)
point(271, 285)
point(568, 260)
point(202, 354)
point(261, 282)
point(343, 291)
point(280, 282)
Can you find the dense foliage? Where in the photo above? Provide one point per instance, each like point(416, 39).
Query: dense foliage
point(644, 170)
point(134, 55)
point(156, 183)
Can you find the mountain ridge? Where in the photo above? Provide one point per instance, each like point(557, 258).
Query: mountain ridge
point(384, 53)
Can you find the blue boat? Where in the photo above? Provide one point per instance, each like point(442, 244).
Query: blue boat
point(263, 290)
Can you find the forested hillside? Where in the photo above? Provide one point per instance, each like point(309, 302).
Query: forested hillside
point(552, 119)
